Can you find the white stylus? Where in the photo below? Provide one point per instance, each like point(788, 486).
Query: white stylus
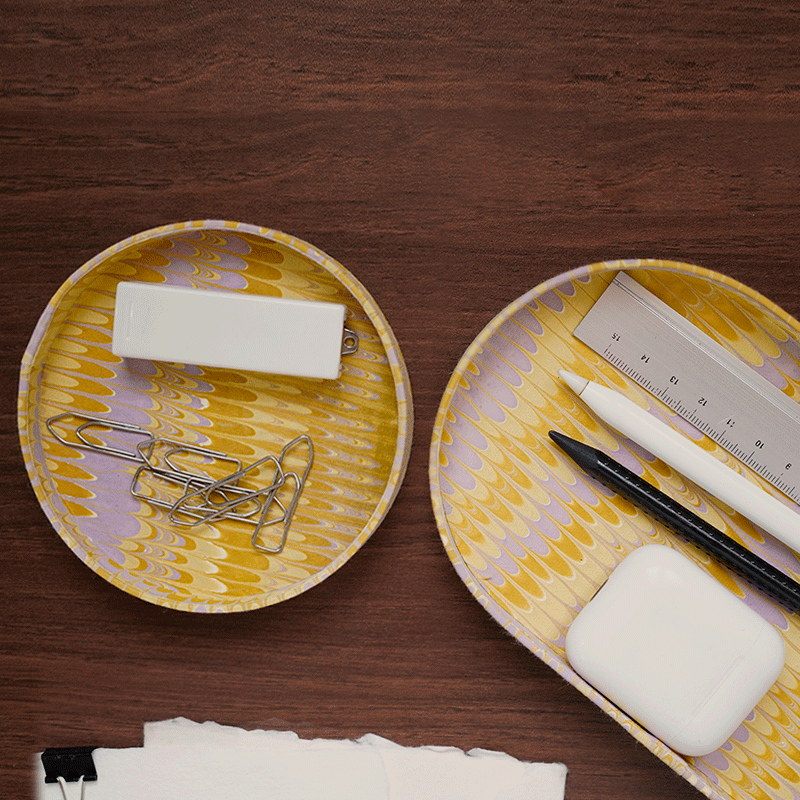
point(690, 460)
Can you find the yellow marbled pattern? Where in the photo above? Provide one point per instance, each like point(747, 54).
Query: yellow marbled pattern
point(360, 424)
point(533, 541)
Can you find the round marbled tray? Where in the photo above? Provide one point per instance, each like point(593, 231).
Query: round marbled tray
point(360, 424)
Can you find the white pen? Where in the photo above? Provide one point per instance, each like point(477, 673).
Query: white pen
point(689, 459)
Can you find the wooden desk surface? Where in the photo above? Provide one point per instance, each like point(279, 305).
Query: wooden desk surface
point(451, 155)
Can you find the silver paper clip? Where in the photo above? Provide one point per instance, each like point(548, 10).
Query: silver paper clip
point(195, 484)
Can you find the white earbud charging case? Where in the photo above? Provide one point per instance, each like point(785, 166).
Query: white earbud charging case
point(675, 650)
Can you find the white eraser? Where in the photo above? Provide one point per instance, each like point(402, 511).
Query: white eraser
point(231, 330)
point(675, 650)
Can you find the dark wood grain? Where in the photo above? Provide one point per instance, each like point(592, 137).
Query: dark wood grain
point(451, 155)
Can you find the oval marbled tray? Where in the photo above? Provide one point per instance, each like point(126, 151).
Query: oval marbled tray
point(533, 540)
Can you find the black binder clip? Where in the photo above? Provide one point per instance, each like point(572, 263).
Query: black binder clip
point(68, 764)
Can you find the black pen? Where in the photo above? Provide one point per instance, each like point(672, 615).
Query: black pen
point(761, 574)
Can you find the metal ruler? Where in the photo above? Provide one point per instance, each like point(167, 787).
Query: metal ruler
point(699, 379)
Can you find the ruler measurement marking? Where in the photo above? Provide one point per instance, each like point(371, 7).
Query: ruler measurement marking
point(693, 375)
